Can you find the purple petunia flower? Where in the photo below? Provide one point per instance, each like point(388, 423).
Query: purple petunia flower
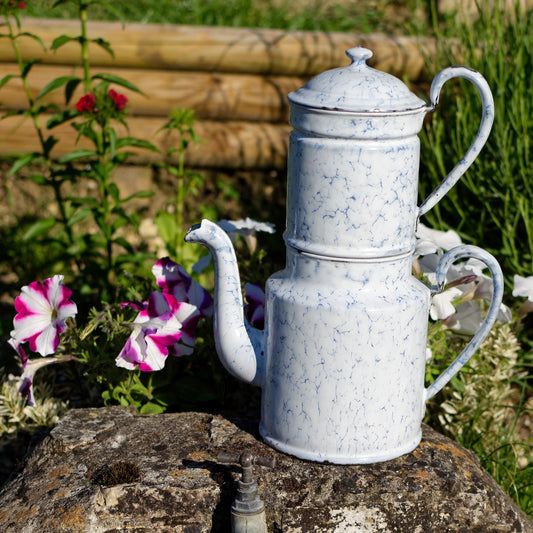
point(174, 279)
point(255, 305)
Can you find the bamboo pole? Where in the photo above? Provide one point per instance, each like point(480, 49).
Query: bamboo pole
point(232, 144)
point(223, 49)
point(213, 96)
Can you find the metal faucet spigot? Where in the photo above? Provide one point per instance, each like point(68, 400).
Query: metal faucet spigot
point(247, 510)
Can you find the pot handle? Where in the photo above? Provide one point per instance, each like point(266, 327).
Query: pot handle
point(485, 126)
point(445, 262)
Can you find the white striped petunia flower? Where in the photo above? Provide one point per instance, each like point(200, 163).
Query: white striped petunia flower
point(173, 279)
point(42, 311)
point(164, 326)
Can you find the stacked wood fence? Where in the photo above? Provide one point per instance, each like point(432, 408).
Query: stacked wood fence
point(236, 80)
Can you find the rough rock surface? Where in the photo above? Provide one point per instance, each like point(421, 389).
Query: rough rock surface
point(111, 470)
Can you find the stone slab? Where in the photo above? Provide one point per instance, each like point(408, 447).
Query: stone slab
point(110, 470)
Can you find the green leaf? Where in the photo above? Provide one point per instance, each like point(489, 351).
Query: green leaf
point(27, 67)
point(77, 154)
point(139, 194)
point(14, 112)
point(117, 80)
point(46, 108)
point(124, 402)
point(21, 162)
point(166, 227)
point(112, 134)
point(70, 87)
point(114, 192)
point(60, 118)
point(49, 143)
point(5, 79)
point(37, 178)
point(80, 215)
point(85, 200)
point(55, 84)
point(105, 45)
point(121, 241)
point(121, 157)
point(138, 143)
point(40, 227)
point(77, 248)
point(86, 129)
point(151, 408)
point(61, 40)
point(120, 221)
point(32, 36)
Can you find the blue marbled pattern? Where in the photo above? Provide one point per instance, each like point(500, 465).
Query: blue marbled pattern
point(345, 357)
point(352, 198)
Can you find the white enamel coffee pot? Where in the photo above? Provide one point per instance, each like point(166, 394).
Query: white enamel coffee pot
point(341, 361)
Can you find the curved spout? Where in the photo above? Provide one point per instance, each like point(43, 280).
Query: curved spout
point(238, 344)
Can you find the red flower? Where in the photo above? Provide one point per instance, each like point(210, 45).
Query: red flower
point(86, 103)
point(21, 5)
point(119, 99)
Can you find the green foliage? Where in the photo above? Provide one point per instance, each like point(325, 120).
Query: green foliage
point(492, 203)
point(485, 407)
point(190, 382)
point(283, 14)
point(16, 416)
point(170, 221)
point(88, 229)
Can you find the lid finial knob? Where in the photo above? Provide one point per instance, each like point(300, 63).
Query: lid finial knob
point(358, 55)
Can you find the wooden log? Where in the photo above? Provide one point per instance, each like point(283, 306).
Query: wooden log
point(213, 96)
point(222, 49)
point(232, 144)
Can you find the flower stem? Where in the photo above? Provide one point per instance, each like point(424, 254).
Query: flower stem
point(84, 42)
point(180, 197)
point(33, 112)
point(45, 148)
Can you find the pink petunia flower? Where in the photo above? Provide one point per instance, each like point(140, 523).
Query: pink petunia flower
point(120, 99)
point(174, 279)
point(86, 103)
point(42, 311)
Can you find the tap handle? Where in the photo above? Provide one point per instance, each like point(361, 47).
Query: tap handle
point(246, 459)
point(247, 501)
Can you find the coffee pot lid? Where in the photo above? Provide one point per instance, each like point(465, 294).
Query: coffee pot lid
point(356, 88)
